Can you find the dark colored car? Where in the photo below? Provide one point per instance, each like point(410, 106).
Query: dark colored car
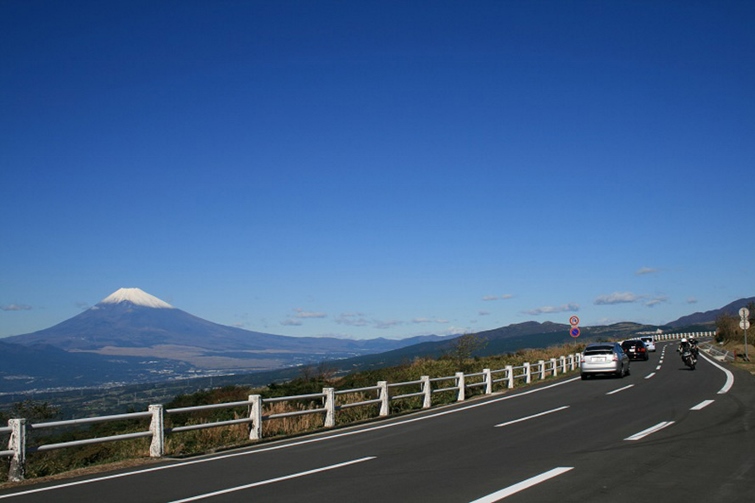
point(635, 349)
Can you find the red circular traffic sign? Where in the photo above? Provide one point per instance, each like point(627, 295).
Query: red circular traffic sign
point(574, 321)
point(574, 332)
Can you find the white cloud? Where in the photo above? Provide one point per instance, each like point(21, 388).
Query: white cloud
point(655, 301)
point(692, 300)
point(483, 313)
point(497, 297)
point(429, 320)
point(16, 307)
point(571, 307)
point(617, 298)
point(646, 270)
point(291, 323)
point(352, 320)
point(300, 313)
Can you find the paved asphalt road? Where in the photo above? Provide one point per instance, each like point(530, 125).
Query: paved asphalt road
point(664, 433)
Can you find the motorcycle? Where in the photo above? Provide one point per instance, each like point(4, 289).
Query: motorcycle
point(688, 357)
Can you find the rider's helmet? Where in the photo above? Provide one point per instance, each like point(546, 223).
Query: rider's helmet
point(684, 339)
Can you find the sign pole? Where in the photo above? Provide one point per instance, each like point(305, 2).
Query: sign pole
point(744, 313)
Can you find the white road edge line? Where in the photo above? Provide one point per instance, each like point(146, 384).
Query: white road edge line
point(729, 376)
point(702, 404)
point(652, 429)
point(318, 438)
point(620, 389)
point(532, 416)
point(521, 486)
point(272, 481)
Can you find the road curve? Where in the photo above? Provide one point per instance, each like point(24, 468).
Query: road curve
point(664, 433)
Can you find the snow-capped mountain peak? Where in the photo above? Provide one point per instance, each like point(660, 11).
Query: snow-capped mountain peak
point(137, 297)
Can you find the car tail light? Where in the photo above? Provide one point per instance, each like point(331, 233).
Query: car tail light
point(615, 357)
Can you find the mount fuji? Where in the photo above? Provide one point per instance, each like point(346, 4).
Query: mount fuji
point(133, 323)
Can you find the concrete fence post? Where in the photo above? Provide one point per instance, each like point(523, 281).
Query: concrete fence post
point(527, 373)
point(157, 428)
point(384, 398)
point(330, 407)
point(17, 444)
point(509, 376)
point(541, 366)
point(427, 389)
point(488, 381)
point(461, 385)
point(563, 364)
point(255, 416)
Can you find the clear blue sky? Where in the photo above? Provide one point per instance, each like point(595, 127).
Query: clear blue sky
point(368, 169)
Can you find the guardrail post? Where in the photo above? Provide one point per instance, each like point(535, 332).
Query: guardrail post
point(541, 366)
point(384, 398)
point(527, 373)
point(462, 386)
point(509, 376)
point(255, 415)
point(157, 428)
point(17, 444)
point(554, 366)
point(488, 381)
point(563, 364)
point(427, 389)
point(330, 407)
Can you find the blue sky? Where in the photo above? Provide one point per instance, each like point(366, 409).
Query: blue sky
point(377, 169)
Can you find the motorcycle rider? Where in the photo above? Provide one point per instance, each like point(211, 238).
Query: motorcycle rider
point(687, 346)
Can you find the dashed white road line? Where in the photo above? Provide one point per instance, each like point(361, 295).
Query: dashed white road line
point(652, 429)
point(271, 481)
point(532, 416)
point(650, 375)
point(702, 405)
point(521, 486)
point(620, 389)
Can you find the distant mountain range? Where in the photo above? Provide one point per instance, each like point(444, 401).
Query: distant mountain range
point(709, 317)
point(131, 337)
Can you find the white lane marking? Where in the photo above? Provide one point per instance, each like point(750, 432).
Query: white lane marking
point(272, 481)
point(650, 375)
point(652, 429)
point(521, 486)
point(729, 376)
point(620, 389)
point(702, 405)
point(658, 367)
point(325, 436)
point(532, 416)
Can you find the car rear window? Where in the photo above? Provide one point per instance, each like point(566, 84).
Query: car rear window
point(599, 350)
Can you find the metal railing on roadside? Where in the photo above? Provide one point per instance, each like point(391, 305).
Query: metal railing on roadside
point(327, 403)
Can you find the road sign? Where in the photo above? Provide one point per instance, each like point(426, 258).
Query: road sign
point(574, 321)
point(574, 332)
point(744, 324)
point(744, 313)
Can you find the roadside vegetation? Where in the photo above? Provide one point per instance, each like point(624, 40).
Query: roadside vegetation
point(731, 337)
point(312, 380)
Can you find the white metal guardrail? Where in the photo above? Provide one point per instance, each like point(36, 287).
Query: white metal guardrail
point(328, 398)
